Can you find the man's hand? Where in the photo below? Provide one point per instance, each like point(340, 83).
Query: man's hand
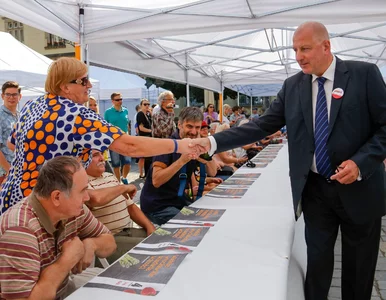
point(150, 230)
point(185, 158)
point(131, 190)
point(88, 257)
point(347, 172)
point(242, 160)
point(202, 145)
point(213, 180)
point(72, 252)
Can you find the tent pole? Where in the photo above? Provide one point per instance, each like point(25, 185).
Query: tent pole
point(238, 98)
point(251, 102)
point(221, 102)
point(187, 81)
point(187, 95)
point(81, 34)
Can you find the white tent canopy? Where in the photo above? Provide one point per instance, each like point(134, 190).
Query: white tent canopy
point(20, 63)
point(207, 43)
point(25, 66)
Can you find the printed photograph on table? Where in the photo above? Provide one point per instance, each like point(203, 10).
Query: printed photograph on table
point(172, 239)
point(266, 155)
point(262, 160)
point(238, 182)
point(246, 175)
point(138, 274)
point(271, 151)
point(197, 216)
point(227, 192)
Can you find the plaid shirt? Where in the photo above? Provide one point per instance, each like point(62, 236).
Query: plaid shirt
point(163, 124)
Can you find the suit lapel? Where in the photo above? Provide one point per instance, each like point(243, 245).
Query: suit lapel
point(305, 94)
point(340, 81)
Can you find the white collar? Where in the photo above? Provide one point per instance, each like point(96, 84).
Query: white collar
point(329, 73)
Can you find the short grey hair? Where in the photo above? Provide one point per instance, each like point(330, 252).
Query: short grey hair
point(226, 106)
point(222, 127)
point(162, 96)
point(191, 114)
point(214, 125)
point(56, 174)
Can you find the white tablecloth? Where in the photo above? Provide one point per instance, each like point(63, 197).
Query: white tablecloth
point(247, 254)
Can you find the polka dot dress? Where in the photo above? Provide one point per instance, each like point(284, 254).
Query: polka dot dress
point(52, 126)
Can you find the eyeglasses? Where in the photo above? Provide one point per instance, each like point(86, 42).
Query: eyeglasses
point(83, 81)
point(120, 99)
point(9, 95)
point(146, 104)
point(210, 106)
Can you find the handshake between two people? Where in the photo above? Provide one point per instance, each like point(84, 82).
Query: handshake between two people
point(193, 147)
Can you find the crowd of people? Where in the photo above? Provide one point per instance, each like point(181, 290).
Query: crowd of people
point(62, 203)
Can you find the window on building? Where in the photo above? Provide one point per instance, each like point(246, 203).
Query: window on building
point(54, 41)
point(16, 29)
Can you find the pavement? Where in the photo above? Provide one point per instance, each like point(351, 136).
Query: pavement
point(379, 288)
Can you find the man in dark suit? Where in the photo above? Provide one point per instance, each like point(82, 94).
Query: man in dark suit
point(335, 113)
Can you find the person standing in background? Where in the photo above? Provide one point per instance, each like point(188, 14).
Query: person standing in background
point(137, 109)
point(10, 93)
point(119, 116)
point(163, 121)
point(144, 129)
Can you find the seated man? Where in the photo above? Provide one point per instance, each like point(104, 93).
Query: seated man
point(49, 234)
point(160, 199)
point(111, 204)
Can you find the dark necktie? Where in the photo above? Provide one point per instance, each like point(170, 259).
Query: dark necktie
point(323, 165)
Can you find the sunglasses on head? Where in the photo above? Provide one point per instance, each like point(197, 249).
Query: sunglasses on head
point(83, 81)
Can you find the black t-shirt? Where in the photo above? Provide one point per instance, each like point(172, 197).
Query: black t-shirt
point(145, 121)
point(155, 199)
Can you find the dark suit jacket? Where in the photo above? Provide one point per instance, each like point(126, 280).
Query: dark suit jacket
point(357, 131)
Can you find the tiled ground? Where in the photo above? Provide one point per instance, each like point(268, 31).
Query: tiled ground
point(379, 288)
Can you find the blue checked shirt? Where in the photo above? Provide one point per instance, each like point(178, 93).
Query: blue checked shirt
point(7, 121)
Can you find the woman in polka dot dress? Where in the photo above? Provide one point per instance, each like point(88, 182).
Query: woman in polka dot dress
point(59, 124)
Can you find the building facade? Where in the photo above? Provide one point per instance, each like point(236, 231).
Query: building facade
point(45, 43)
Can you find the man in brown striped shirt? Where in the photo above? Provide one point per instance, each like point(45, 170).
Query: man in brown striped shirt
point(111, 204)
point(50, 234)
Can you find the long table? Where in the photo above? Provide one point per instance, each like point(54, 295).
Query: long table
point(247, 254)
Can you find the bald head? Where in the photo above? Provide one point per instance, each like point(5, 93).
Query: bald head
point(317, 30)
point(312, 46)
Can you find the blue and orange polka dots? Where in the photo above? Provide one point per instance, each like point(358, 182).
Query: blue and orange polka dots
point(51, 126)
